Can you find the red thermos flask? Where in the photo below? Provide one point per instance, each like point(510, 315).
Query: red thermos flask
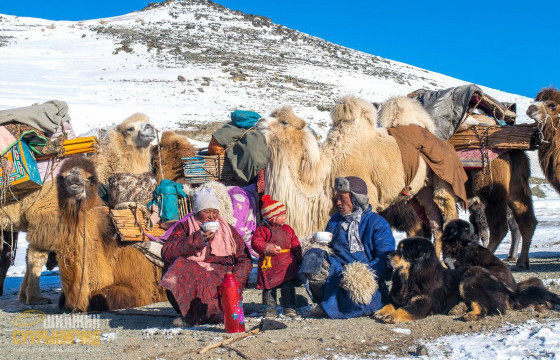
point(232, 305)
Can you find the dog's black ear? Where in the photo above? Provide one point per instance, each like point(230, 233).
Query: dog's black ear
point(421, 250)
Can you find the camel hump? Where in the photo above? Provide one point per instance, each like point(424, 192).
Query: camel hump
point(402, 111)
point(350, 108)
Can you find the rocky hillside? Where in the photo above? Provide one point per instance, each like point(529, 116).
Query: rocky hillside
point(189, 63)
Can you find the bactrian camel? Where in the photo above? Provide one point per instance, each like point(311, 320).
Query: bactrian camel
point(126, 149)
point(97, 271)
point(301, 174)
point(545, 111)
point(503, 184)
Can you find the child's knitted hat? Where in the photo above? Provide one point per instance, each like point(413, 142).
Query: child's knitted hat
point(271, 208)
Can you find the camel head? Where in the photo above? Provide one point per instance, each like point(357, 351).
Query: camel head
point(171, 150)
point(287, 134)
point(546, 106)
point(77, 184)
point(351, 109)
point(137, 131)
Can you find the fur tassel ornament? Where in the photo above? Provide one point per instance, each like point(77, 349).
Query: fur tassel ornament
point(359, 281)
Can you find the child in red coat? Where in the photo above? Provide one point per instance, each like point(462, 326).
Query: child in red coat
point(279, 258)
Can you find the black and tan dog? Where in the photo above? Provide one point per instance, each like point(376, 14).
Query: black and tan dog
point(421, 286)
point(460, 248)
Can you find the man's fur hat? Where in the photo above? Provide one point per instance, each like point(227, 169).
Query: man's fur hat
point(356, 187)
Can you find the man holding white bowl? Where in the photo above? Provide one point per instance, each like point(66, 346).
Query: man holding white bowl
point(348, 280)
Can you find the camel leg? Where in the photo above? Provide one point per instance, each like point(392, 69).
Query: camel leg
point(521, 203)
point(5, 261)
point(515, 236)
point(30, 291)
point(435, 218)
point(444, 198)
point(525, 217)
point(495, 212)
point(8, 247)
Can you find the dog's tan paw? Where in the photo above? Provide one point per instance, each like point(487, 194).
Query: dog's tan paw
point(397, 316)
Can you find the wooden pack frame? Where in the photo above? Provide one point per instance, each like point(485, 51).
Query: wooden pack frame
point(80, 145)
point(131, 225)
point(522, 136)
point(203, 168)
point(493, 108)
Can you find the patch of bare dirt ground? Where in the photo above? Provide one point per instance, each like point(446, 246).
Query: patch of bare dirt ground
point(147, 332)
point(199, 131)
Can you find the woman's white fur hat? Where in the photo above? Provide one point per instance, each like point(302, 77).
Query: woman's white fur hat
point(205, 198)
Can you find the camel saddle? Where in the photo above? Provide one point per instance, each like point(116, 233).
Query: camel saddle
point(438, 154)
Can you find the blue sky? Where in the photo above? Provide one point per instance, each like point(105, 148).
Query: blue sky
point(512, 46)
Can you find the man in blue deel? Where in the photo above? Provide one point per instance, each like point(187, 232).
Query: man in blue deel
point(349, 280)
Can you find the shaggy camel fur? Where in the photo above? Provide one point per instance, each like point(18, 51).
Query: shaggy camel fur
point(115, 275)
point(173, 148)
point(301, 174)
point(402, 111)
point(545, 111)
point(34, 213)
point(126, 148)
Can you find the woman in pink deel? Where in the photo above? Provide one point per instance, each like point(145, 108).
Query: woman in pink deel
point(198, 261)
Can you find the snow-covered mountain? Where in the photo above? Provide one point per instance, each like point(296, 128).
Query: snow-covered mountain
point(188, 64)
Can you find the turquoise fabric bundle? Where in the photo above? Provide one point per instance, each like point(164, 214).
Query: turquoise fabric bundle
point(166, 197)
point(244, 119)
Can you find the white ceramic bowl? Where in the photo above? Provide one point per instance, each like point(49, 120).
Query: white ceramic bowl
point(323, 237)
point(211, 226)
